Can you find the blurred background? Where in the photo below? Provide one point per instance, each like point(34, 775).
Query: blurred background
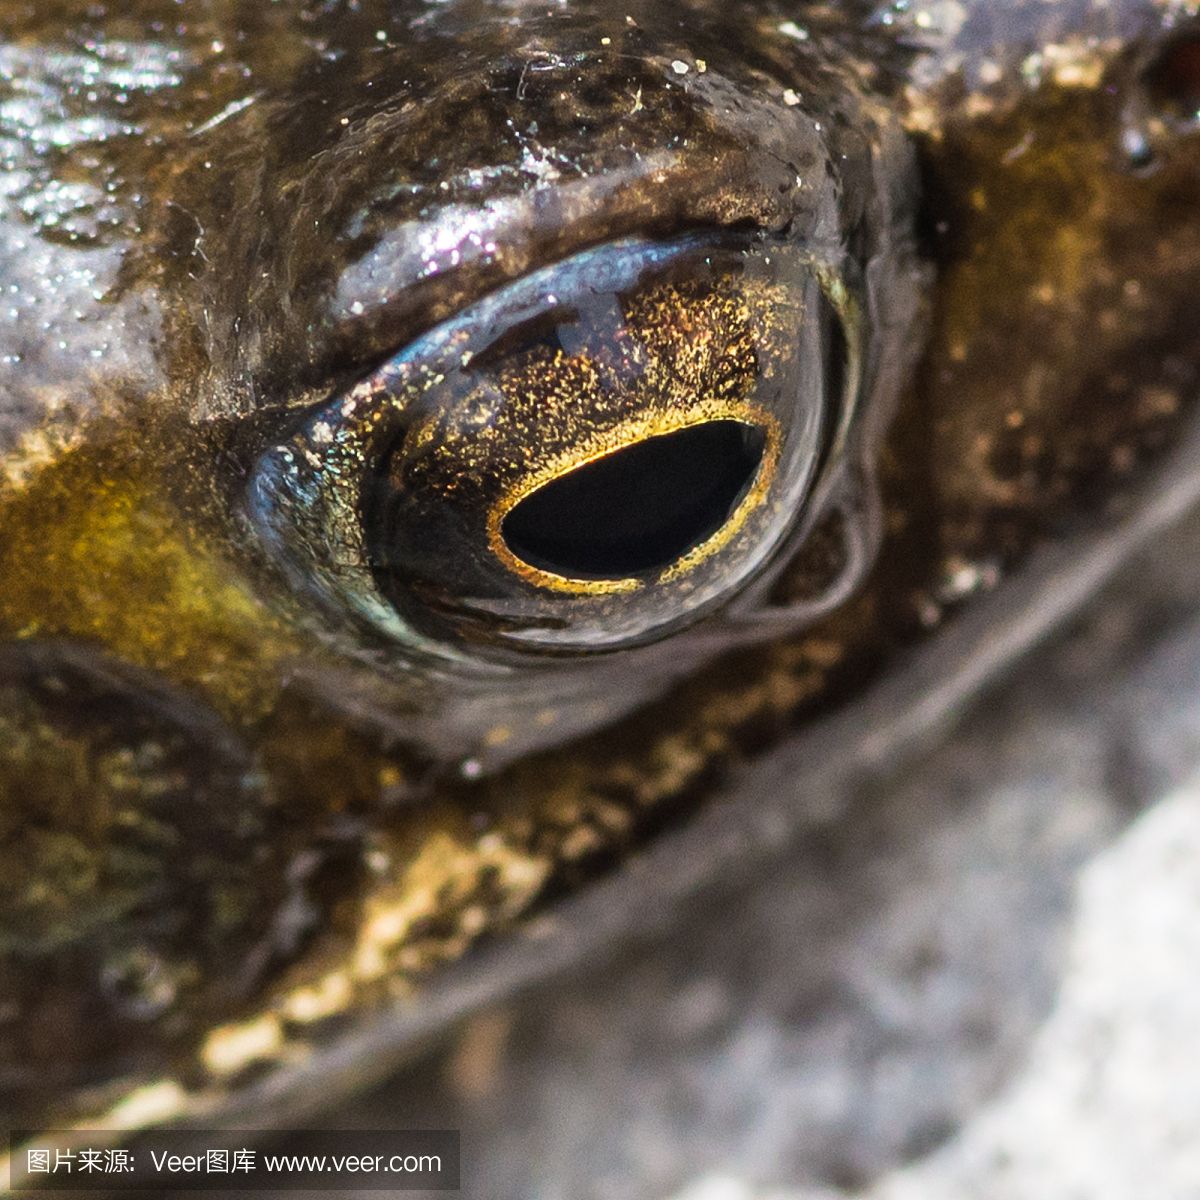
point(983, 981)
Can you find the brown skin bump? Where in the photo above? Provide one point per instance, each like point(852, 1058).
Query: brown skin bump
point(1060, 357)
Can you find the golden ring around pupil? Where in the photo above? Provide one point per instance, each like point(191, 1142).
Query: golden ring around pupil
point(623, 437)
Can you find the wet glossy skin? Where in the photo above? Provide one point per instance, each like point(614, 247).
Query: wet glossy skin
point(254, 776)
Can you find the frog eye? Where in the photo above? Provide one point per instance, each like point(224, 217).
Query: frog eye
point(592, 457)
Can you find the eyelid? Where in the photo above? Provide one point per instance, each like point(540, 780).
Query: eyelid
point(380, 308)
point(525, 299)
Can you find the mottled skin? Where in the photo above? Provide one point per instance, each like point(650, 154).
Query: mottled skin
point(231, 814)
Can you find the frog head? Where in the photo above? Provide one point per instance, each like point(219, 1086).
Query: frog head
point(441, 440)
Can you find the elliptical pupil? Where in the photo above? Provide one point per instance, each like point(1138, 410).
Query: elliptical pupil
point(639, 509)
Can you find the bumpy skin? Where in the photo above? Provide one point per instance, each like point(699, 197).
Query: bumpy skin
point(233, 816)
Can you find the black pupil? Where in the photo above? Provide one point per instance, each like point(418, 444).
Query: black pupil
point(638, 509)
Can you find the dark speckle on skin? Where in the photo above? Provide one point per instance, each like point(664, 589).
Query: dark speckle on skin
point(256, 796)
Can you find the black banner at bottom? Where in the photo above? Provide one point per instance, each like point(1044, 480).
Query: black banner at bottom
point(239, 1160)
